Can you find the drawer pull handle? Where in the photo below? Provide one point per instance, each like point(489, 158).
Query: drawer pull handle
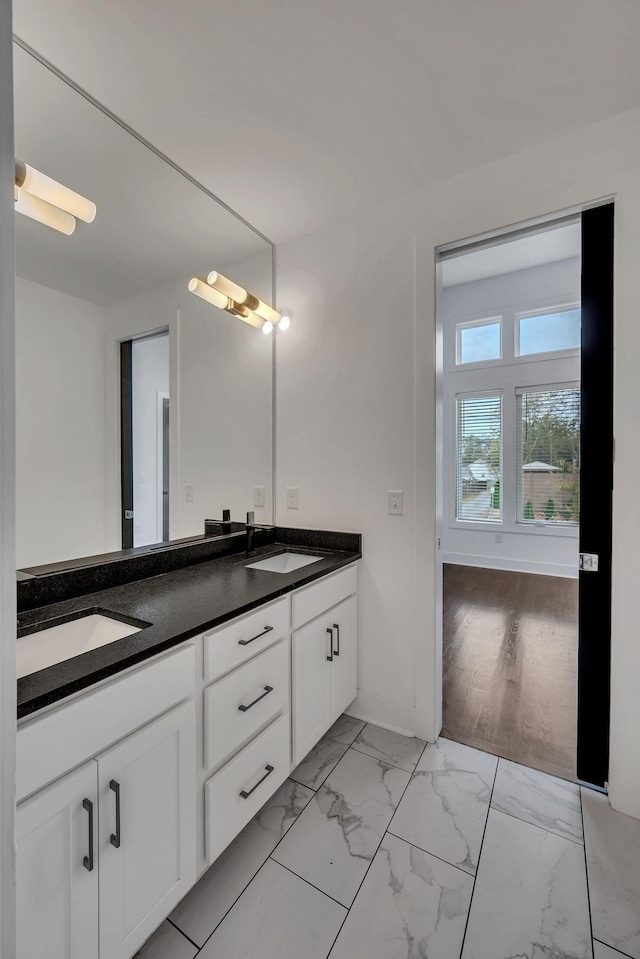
point(87, 861)
point(267, 690)
point(330, 656)
point(245, 795)
point(336, 651)
point(245, 642)
point(114, 838)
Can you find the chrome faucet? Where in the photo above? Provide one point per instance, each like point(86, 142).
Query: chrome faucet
point(250, 531)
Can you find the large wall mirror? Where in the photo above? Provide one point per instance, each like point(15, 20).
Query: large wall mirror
point(198, 380)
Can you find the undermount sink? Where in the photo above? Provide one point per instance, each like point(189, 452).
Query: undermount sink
point(46, 647)
point(284, 562)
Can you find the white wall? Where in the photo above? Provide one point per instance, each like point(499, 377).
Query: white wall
point(149, 376)
point(220, 423)
point(7, 499)
point(356, 408)
point(60, 412)
point(539, 550)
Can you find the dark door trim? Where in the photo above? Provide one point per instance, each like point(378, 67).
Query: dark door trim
point(596, 494)
point(126, 441)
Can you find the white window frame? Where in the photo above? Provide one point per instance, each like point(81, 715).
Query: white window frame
point(542, 311)
point(471, 324)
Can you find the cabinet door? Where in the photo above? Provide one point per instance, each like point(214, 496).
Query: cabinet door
point(311, 677)
point(147, 829)
point(344, 682)
point(57, 870)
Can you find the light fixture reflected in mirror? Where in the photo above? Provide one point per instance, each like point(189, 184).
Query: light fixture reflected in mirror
point(41, 198)
point(227, 295)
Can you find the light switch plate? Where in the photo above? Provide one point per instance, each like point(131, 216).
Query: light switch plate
point(258, 496)
point(292, 497)
point(394, 502)
point(188, 494)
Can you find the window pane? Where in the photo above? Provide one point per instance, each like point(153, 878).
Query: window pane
point(549, 332)
point(479, 342)
point(549, 456)
point(479, 459)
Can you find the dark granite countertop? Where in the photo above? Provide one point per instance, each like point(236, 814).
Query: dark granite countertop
point(177, 605)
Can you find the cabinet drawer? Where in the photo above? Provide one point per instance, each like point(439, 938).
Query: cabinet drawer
point(236, 793)
point(235, 642)
point(320, 596)
point(243, 702)
point(59, 740)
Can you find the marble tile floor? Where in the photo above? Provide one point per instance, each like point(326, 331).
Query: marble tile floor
point(383, 847)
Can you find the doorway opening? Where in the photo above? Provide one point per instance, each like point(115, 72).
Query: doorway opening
point(516, 377)
point(145, 458)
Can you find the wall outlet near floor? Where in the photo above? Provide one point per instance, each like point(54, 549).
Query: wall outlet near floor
point(395, 502)
point(258, 496)
point(188, 494)
point(498, 537)
point(292, 497)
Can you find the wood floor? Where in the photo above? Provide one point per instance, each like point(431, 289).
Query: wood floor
point(510, 666)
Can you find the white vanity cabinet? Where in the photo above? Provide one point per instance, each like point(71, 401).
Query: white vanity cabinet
point(130, 790)
point(57, 875)
point(146, 840)
point(324, 677)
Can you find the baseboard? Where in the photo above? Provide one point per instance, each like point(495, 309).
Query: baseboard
point(514, 565)
point(391, 715)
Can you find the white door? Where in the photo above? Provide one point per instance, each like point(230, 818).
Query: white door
point(312, 649)
point(344, 684)
point(147, 829)
point(57, 870)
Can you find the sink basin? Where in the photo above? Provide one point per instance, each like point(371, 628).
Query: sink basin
point(46, 647)
point(284, 562)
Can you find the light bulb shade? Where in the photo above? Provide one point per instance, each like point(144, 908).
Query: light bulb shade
point(42, 186)
point(242, 297)
point(226, 286)
point(208, 293)
point(284, 323)
point(43, 212)
point(248, 316)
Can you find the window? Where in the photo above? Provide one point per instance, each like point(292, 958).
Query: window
point(479, 458)
point(478, 341)
point(548, 472)
point(547, 332)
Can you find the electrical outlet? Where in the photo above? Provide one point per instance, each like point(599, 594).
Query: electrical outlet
point(137, 529)
point(498, 537)
point(258, 496)
point(292, 497)
point(188, 494)
point(395, 502)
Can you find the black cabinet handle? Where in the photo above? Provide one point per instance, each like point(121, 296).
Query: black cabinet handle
point(245, 795)
point(114, 838)
point(267, 690)
point(87, 861)
point(245, 642)
point(330, 656)
point(337, 649)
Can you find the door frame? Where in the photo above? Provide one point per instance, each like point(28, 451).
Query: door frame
point(595, 658)
point(160, 398)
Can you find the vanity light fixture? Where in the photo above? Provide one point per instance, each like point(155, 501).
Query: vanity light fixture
point(227, 295)
point(40, 197)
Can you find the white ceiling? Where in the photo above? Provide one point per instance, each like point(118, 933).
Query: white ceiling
point(297, 112)
point(559, 243)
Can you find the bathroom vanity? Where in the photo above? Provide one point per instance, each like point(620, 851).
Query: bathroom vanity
point(174, 736)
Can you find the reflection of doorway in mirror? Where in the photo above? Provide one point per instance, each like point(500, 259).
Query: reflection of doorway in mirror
point(150, 439)
point(162, 478)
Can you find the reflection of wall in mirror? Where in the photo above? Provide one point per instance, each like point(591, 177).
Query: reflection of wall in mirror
point(60, 415)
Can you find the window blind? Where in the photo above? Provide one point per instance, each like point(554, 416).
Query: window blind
point(548, 451)
point(479, 458)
